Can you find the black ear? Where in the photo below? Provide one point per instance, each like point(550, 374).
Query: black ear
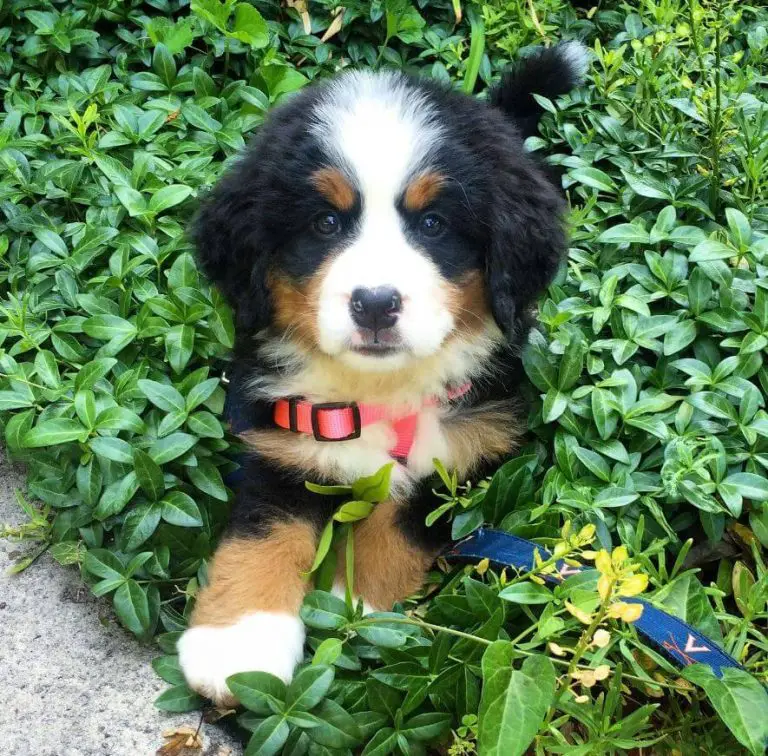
point(527, 243)
point(228, 233)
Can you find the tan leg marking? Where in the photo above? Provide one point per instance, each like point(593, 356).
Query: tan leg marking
point(388, 567)
point(257, 574)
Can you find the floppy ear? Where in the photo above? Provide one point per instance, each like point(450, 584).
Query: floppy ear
point(228, 234)
point(527, 243)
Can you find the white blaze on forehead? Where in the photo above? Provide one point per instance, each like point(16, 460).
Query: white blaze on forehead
point(382, 131)
point(380, 127)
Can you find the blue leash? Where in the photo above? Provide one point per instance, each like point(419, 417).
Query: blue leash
point(677, 639)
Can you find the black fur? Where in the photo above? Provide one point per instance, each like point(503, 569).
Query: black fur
point(547, 72)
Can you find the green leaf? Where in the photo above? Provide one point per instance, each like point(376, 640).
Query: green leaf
point(112, 448)
point(180, 509)
point(749, 485)
point(200, 392)
point(167, 668)
point(250, 26)
point(207, 478)
point(10, 400)
point(53, 432)
point(109, 327)
point(426, 726)
point(594, 463)
point(625, 233)
point(139, 525)
point(171, 447)
point(132, 607)
point(353, 511)
point(178, 699)
point(740, 700)
point(85, 407)
point(17, 427)
point(47, 369)
point(514, 702)
point(149, 475)
point(680, 337)
point(526, 593)
point(324, 611)
point(382, 743)
point(51, 240)
point(116, 495)
point(374, 488)
point(309, 687)
point(713, 404)
point(328, 651)
point(259, 692)
point(93, 372)
point(132, 200)
point(269, 737)
point(476, 49)
point(710, 250)
point(119, 418)
point(103, 564)
point(162, 395)
point(168, 197)
point(392, 635)
point(593, 177)
point(205, 425)
point(336, 728)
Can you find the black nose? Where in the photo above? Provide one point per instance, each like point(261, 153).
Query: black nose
point(375, 308)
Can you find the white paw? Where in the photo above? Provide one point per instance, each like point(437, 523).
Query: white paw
point(263, 642)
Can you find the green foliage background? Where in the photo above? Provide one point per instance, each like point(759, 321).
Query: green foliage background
point(648, 374)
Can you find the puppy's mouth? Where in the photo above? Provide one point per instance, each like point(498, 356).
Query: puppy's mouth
point(380, 343)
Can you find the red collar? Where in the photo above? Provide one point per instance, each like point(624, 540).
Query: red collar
point(343, 421)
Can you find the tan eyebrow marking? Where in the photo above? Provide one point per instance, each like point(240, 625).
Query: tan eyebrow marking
point(335, 187)
point(422, 190)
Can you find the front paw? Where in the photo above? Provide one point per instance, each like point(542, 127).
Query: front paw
point(262, 641)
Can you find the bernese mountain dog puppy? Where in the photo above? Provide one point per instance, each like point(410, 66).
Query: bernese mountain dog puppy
point(382, 244)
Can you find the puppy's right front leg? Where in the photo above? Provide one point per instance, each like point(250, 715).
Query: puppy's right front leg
point(247, 617)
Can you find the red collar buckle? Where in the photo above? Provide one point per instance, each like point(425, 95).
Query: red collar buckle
point(354, 410)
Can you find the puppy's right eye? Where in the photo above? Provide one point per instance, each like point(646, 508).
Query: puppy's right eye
point(327, 224)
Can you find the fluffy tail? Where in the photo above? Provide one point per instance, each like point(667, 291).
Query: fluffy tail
point(548, 72)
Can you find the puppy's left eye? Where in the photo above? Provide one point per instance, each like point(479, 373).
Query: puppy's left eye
point(327, 224)
point(431, 224)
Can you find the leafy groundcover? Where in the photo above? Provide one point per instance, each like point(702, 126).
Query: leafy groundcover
point(649, 433)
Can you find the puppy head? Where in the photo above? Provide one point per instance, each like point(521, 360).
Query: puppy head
point(379, 219)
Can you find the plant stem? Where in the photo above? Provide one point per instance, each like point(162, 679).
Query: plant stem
point(579, 651)
point(420, 623)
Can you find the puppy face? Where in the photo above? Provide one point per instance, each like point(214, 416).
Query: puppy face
point(378, 220)
point(381, 267)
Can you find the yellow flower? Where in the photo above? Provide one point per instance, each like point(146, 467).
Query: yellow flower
point(557, 650)
point(633, 585)
point(601, 638)
point(619, 556)
point(604, 584)
point(586, 534)
point(603, 562)
point(626, 612)
point(602, 672)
